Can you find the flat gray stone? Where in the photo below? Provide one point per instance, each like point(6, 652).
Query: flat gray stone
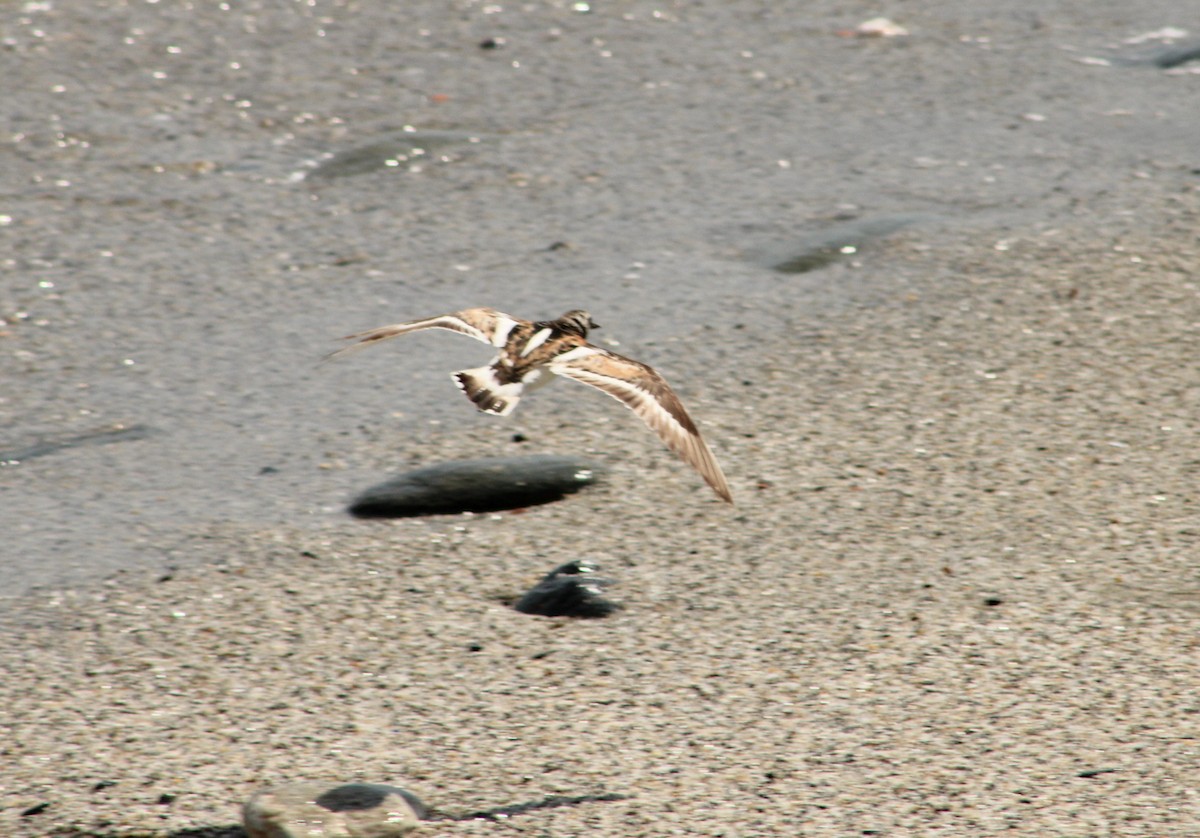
point(349, 810)
point(485, 485)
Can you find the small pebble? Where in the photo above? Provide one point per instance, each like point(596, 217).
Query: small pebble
point(569, 590)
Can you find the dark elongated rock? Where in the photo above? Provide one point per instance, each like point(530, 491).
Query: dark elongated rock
point(486, 485)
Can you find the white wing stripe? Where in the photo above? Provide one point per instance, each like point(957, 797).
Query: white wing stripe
point(573, 355)
point(501, 331)
point(534, 342)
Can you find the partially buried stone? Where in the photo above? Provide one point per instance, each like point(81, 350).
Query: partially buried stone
point(569, 590)
point(487, 485)
point(396, 152)
point(350, 810)
point(818, 248)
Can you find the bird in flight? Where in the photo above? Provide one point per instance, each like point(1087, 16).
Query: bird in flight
point(533, 353)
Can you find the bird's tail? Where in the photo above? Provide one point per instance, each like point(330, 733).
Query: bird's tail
point(487, 392)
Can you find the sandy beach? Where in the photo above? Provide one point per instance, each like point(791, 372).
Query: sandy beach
point(957, 593)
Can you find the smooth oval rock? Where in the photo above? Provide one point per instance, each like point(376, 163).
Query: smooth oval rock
point(348, 810)
point(570, 590)
point(486, 485)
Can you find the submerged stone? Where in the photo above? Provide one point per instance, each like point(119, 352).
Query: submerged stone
point(397, 151)
point(485, 485)
point(104, 436)
point(814, 250)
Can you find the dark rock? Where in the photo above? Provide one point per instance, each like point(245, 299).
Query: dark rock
point(1096, 772)
point(1175, 56)
point(568, 591)
point(359, 796)
point(486, 485)
point(348, 809)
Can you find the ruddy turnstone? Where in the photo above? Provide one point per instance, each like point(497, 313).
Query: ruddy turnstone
point(533, 353)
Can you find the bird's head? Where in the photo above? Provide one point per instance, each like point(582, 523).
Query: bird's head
point(577, 321)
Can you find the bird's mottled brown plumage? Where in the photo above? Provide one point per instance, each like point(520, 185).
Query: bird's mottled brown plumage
point(532, 351)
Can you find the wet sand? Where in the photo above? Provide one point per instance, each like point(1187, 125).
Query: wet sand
point(958, 592)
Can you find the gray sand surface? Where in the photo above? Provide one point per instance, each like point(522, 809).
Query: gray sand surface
point(959, 591)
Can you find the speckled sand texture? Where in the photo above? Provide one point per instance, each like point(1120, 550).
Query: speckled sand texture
point(958, 595)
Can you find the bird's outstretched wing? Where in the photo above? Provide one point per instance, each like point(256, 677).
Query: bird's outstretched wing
point(483, 324)
point(648, 395)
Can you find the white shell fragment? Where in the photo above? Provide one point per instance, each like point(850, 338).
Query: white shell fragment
point(879, 27)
